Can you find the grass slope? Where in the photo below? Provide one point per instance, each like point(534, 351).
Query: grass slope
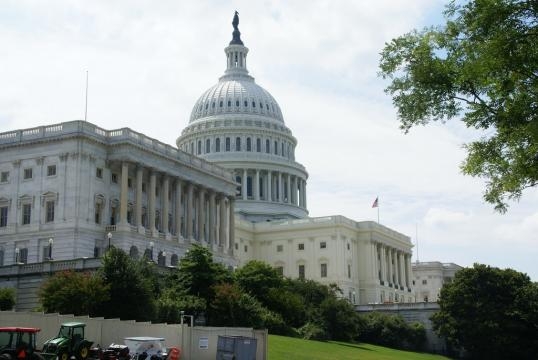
point(286, 348)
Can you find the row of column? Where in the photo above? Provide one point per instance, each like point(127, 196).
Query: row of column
point(200, 220)
point(277, 186)
point(393, 266)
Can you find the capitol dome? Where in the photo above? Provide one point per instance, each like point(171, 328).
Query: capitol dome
point(239, 125)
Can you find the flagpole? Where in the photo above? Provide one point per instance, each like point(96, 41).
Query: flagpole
point(377, 209)
point(86, 105)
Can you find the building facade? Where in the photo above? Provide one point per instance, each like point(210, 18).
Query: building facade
point(429, 277)
point(69, 190)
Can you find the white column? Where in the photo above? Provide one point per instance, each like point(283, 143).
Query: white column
point(212, 209)
point(139, 176)
point(232, 224)
point(244, 185)
point(222, 220)
point(201, 214)
point(190, 203)
point(124, 194)
point(152, 186)
point(280, 187)
point(256, 186)
point(166, 203)
point(178, 212)
point(389, 260)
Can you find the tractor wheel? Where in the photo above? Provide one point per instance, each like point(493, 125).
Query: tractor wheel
point(83, 352)
point(63, 356)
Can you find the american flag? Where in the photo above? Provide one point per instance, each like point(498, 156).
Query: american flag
point(376, 202)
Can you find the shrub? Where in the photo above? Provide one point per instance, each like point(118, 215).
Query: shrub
point(7, 298)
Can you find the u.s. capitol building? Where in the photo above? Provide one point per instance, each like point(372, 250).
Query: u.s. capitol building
point(70, 190)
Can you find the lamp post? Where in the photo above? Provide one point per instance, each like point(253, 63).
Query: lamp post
point(51, 241)
point(164, 258)
point(17, 255)
point(151, 245)
point(109, 236)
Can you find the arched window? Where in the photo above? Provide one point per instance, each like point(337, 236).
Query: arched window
point(258, 145)
point(267, 146)
point(221, 103)
point(249, 145)
point(227, 144)
point(229, 103)
point(213, 105)
point(199, 148)
point(238, 144)
point(174, 260)
point(207, 146)
point(253, 104)
point(246, 103)
point(236, 102)
point(192, 147)
point(238, 188)
point(276, 148)
point(217, 145)
point(282, 152)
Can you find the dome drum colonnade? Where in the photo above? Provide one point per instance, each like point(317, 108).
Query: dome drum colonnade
point(239, 125)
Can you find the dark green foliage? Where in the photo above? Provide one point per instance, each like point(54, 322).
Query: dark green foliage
point(481, 66)
point(71, 292)
point(492, 313)
point(340, 319)
point(131, 290)
point(257, 277)
point(7, 298)
point(391, 330)
point(312, 331)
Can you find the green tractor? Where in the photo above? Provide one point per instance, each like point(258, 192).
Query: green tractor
point(69, 342)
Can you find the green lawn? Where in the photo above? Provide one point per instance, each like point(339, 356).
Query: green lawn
point(286, 348)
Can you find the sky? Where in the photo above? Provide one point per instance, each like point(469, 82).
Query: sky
point(148, 62)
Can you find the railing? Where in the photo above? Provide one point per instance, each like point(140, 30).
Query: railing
point(110, 137)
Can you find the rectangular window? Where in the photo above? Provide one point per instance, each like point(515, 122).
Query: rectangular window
point(27, 173)
point(49, 211)
point(323, 270)
point(323, 245)
point(51, 170)
point(301, 271)
point(280, 270)
point(23, 256)
point(246, 248)
point(99, 173)
point(3, 216)
point(424, 282)
point(114, 178)
point(227, 144)
point(349, 271)
point(301, 246)
point(279, 248)
point(130, 183)
point(26, 213)
point(143, 187)
point(98, 208)
point(4, 176)
point(348, 246)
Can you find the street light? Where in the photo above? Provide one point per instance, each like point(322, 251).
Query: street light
point(164, 258)
point(51, 241)
point(109, 236)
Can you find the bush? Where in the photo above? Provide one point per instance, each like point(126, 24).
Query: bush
point(7, 298)
point(392, 331)
point(311, 331)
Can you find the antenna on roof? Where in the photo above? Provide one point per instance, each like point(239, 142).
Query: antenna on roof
point(86, 104)
point(416, 239)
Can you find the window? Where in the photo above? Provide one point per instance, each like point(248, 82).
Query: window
point(276, 148)
point(22, 256)
point(348, 246)
point(229, 103)
point(49, 215)
point(26, 213)
point(280, 270)
point(27, 173)
point(246, 103)
point(349, 271)
point(323, 245)
point(237, 144)
point(221, 103)
point(207, 146)
point(323, 270)
point(99, 173)
point(267, 146)
point(129, 183)
point(249, 186)
point(144, 187)
point(4, 176)
point(51, 170)
point(253, 104)
point(114, 178)
point(236, 102)
point(199, 147)
point(301, 246)
point(279, 248)
point(3, 216)
point(258, 145)
point(227, 144)
point(246, 248)
point(98, 211)
point(301, 271)
point(249, 144)
point(424, 282)
point(217, 145)
point(236, 246)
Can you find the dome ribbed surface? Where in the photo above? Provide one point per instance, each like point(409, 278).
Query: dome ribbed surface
point(236, 96)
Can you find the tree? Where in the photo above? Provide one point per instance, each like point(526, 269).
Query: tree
point(131, 292)
point(481, 65)
point(7, 298)
point(257, 277)
point(76, 293)
point(491, 313)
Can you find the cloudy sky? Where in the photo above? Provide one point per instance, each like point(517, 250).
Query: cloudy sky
point(148, 61)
